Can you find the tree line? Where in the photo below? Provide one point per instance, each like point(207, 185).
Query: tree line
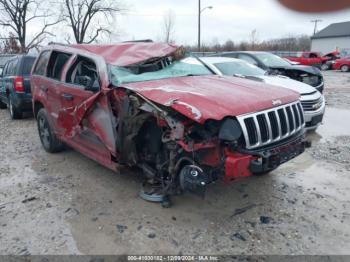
point(289, 43)
point(88, 20)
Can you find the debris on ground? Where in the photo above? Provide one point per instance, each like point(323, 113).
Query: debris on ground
point(121, 228)
point(265, 220)
point(29, 199)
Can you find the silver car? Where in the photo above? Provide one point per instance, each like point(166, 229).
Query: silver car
point(313, 101)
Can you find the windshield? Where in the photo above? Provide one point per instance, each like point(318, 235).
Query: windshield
point(239, 68)
point(189, 66)
point(271, 60)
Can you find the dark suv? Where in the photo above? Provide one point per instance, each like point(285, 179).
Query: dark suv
point(15, 91)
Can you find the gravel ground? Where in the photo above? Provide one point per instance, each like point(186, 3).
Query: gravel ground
point(67, 204)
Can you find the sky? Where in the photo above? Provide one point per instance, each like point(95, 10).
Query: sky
point(229, 19)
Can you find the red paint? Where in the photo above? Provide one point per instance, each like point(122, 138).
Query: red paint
point(340, 62)
point(237, 166)
point(308, 58)
point(123, 54)
point(213, 96)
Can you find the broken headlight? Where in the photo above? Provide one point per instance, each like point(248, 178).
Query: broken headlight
point(230, 130)
point(311, 80)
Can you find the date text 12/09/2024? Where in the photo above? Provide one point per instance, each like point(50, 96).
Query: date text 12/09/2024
point(173, 258)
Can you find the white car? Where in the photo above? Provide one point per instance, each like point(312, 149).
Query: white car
point(313, 101)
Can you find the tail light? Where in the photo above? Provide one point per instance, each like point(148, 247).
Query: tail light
point(19, 84)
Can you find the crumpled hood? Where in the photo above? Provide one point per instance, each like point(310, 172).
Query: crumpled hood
point(212, 97)
point(303, 68)
point(289, 83)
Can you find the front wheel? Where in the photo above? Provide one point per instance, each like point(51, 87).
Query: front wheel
point(324, 67)
point(344, 68)
point(48, 138)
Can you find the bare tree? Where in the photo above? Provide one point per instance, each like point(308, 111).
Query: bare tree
point(89, 19)
point(169, 26)
point(10, 45)
point(16, 15)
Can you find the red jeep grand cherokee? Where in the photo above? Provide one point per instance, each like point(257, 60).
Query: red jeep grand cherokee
point(148, 105)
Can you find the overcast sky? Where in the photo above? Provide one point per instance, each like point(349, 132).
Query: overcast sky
point(233, 19)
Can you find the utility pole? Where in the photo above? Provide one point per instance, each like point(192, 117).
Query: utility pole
point(316, 22)
point(199, 25)
point(200, 11)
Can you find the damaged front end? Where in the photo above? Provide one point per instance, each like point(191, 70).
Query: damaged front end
point(179, 155)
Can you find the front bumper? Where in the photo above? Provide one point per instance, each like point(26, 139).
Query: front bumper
point(314, 118)
point(247, 163)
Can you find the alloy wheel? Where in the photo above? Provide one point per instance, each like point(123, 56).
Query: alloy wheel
point(44, 132)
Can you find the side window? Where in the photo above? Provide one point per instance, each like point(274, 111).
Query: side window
point(11, 68)
point(27, 65)
point(56, 64)
point(83, 73)
point(248, 59)
point(40, 67)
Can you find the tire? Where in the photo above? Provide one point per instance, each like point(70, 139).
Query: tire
point(48, 139)
point(3, 105)
point(324, 67)
point(15, 112)
point(344, 68)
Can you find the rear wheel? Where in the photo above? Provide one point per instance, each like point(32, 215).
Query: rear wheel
point(344, 68)
point(48, 138)
point(15, 112)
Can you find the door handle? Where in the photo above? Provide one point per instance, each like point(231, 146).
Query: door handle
point(68, 97)
point(44, 88)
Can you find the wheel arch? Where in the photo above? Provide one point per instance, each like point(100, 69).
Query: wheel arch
point(37, 105)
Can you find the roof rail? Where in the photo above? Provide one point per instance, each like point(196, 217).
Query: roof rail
point(140, 41)
point(56, 43)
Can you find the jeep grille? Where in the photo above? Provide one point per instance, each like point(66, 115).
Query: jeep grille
point(272, 125)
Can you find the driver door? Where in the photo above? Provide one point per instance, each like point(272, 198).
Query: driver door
point(85, 113)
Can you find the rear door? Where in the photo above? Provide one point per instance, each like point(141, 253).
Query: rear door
point(45, 87)
point(12, 69)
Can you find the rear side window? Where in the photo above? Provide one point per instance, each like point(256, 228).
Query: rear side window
point(27, 65)
point(56, 64)
point(11, 68)
point(40, 67)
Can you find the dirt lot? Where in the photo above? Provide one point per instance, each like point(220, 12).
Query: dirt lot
point(67, 204)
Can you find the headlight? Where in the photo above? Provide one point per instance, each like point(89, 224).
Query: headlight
point(311, 80)
point(230, 130)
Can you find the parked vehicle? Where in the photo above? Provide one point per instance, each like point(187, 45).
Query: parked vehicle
point(313, 102)
point(304, 58)
point(3, 59)
point(342, 64)
point(332, 56)
point(140, 104)
point(15, 91)
point(276, 65)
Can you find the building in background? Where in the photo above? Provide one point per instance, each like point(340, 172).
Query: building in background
point(335, 37)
